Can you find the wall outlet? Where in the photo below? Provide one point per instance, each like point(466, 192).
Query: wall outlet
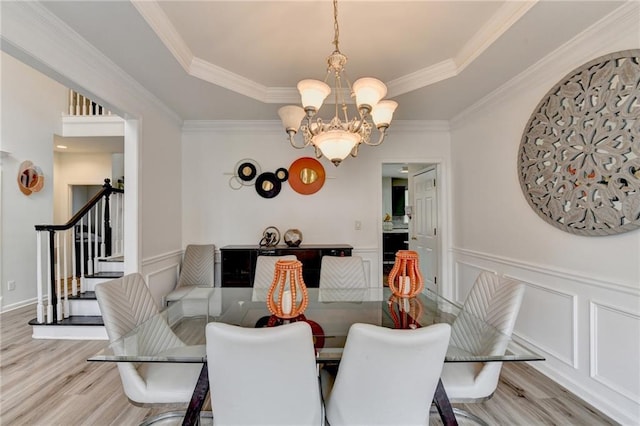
point(11, 285)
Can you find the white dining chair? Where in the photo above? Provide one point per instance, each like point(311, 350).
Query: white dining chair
point(496, 301)
point(342, 278)
point(127, 304)
point(263, 277)
point(386, 376)
point(197, 270)
point(263, 376)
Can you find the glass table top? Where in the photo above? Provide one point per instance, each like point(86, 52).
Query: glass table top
point(330, 313)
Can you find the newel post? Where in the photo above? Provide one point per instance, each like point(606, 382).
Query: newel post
point(107, 218)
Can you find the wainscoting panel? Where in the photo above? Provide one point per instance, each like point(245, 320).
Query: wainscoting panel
point(545, 309)
point(370, 258)
point(465, 275)
point(618, 369)
point(161, 274)
point(587, 329)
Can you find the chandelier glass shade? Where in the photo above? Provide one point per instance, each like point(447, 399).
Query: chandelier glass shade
point(339, 137)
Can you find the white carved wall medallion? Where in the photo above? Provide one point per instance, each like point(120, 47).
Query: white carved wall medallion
point(579, 157)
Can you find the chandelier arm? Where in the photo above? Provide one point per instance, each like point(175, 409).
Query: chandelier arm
point(292, 140)
point(318, 152)
point(319, 127)
point(383, 132)
point(354, 151)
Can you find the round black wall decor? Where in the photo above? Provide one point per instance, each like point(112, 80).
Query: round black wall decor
point(268, 185)
point(579, 157)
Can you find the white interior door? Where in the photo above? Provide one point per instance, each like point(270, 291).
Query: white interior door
point(424, 232)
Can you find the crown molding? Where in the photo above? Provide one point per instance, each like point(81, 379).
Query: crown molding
point(285, 95)
point(421, 78)
point(159, 22)
point(508, 14)
point(595, 41)
point(153, 14)
point(217, 75)
point(37, 37)
point(197, 67)
point(499, 23)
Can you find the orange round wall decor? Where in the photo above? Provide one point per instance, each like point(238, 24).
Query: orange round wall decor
point(306, 175)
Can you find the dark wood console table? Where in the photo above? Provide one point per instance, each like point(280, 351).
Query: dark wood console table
point(239, 261)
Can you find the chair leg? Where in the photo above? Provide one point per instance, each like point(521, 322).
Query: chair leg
point(459, 412)
point(463, 413)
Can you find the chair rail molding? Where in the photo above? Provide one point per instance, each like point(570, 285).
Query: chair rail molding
point(622, 287)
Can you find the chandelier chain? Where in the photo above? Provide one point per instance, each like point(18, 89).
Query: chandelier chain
point(336, 29)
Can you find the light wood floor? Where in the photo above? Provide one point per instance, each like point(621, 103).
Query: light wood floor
point(49, 382)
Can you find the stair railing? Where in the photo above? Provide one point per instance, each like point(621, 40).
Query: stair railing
point(94, 232)
point(81, 105)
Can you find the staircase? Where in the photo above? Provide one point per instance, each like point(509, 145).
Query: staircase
point(75, 257)
point(84, 321)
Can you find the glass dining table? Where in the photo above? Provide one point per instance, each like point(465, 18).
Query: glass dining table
point(330, 313)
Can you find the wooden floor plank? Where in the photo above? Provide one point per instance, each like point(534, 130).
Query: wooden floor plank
point(49, 382)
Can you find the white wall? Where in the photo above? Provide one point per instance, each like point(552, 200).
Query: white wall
point(215, 213)
point(29, 120)
point(76, 169)
point(582, 304)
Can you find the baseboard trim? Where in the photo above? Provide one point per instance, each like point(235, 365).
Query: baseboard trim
point(69, 333)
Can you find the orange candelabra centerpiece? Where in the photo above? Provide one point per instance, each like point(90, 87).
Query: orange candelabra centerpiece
point(405, 279)
point(287, 297)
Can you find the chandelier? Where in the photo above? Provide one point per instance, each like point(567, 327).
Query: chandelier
point(338, 138)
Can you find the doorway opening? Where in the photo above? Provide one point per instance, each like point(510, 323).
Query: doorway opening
point(410, 212)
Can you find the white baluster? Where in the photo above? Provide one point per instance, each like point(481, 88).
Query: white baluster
point(89, 245)
point(117, 226)
point(122, 207)
point(70, 102)
point(83, 261)
point(84, 105)
point(103, 245)
point(78, 107)
point(74, 274)
point(58, 283)
point(49, 295)
point(40, 306)
point(96, 236)
point(65, 285)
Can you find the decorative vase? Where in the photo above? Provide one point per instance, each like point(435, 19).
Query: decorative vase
point(405, 279)
point(287, 297)
point(293, 237)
